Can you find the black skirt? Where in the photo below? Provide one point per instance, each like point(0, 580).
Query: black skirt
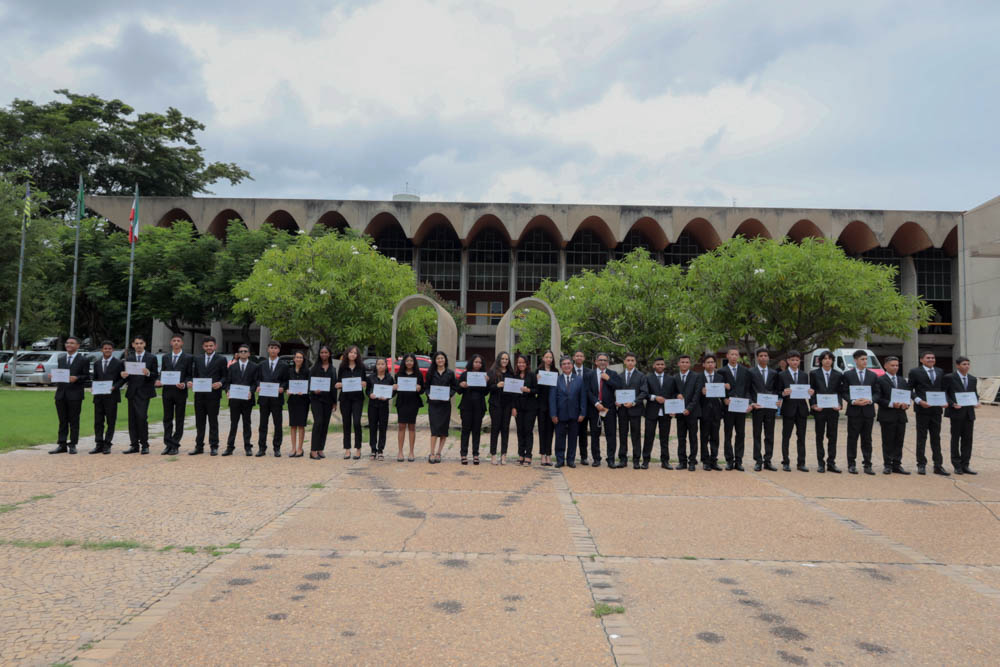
point(407, 405)
point(298, 410)
point(439, 415)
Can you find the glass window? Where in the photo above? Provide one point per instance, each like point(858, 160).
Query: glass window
point(441, 260)
point(489, 262)
point(885, 256)
point(933, 274)
point(634, 239)
point(585, 251)
point(537, 259)
point(683, 250)
point(392, 242)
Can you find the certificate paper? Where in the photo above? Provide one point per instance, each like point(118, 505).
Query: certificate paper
point(239, 392)
point(382, 390)
point(202, 385)
point(100, 387)
point(673, 406)
point(715, 389)
point(827, 401)
point(298, 386)
point(475, 379)
point(966, 399)
point(269, 389)
point(319, 383)
point(768, 401)
point(135, 367)
point(512, 385)
point(861, 392)
point(170, 377)
point(350, 385)
point(936, 398)
point(624, 396)
point(740, 405)
point(799, 391)
point(548, 378)
point(440, 393)
point(406, 384)
point(900, 396)
point(60, 375)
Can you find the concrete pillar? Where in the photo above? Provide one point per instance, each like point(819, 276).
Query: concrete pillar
point(216, 330)
point(908, 286)
point(161, 337)
point(512, 287)
point(416, 262)
point(562, 263)
point(463, 299)
point(957, 309)
point(265, 338)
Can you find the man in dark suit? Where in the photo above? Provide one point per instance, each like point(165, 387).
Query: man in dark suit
point(794, 412)
point(601, 389)
point(963, 418)
point(242, 372)
point(922, 379)
point(210, 365)
point(826, 380)
point(568, 409)
point(892, 417)
point(276, 371)
point(69, 395)
point(175, 395)
point(860, 413)
point(659, 387)
point(630, 414)
point(106, 369)
point(689, 386)
point(139, 389)
point(737, 379)
point(763, 380)
point(710, 417)
point(586, 375)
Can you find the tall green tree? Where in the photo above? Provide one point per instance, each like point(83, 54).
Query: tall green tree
point(794, 296)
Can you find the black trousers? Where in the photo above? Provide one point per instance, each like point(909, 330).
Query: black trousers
point(687, 436)
point(270, 411)
point(860, 426)
point(321, 411)
point(499, 427)
point(608, 422)
point(734, 421)
point(826, 425)
point(472, 428)
point(929, 423)
point(961, 441)
point(105, 416)
point(525, 422)
point(567, 433)
point(797, 422)
point(174, 407)
point(240, 410)
point(378, 424)
point(709, 439)
point(350, 410)
point(138, 420)
point(892, 442)
point(69, 420)
point(584, 430)
point(206, 408)
point(763, 423)
point(629, 427)
point(647, 442)
point(546, 429)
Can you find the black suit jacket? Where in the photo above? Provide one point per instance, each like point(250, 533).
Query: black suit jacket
point(654, 388)
point(952, 386)
point(637, 382)
point(613, 383)
point(817, 380)
point(921, 383)
point(740, 385)
point(850, 379)
point(280, 375)
point(759, 386)
point(216, 370)
point(250, 376)
point(691, 390)
point(710, 407)
point(792, 407)
point(80, 369)
point(183, 366)
point(889, 414)
point(143, 386)
point(114, 374)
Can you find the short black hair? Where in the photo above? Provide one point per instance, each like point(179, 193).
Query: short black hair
point(565, 358)
point(961, 360)
point(761, 350)
point(107, 342)
point(655, 359)
point(793, 354)
point(69, 338)
point(243, 345)
point(734, 347)
point(860, 353)
point(136, 337)
point(208, 339)
point(602, 354)
point(924, 353)
point(707, 357)
point(684, 356)
point(824, 354)
point(629, 354)
point(274, 343)
point(888, 359)
point(177, 336)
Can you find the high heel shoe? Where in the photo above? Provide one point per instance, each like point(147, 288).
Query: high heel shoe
point(475, 460)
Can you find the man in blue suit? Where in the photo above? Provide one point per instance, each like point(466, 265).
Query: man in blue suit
point(568, 407)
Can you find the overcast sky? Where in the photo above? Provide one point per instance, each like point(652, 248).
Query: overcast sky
point(855, 105)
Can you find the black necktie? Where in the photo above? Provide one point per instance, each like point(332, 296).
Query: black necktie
point(175, 359)
point(105, 365)
point(894, 385)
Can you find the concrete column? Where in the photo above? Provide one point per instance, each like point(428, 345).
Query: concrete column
point(265, 338)
point(562, 263)
point(908, 286)
point(161, 337)
point(216, 330)
point(416, 262)
point(513, 278)
point(463, 299)
point(957, 308)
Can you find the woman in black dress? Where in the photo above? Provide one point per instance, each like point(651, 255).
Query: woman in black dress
point(408, 403)
point(298, 405)
point(472, 407)
point(525, 410)
point(322, 402)
point(545, 427)
point(501, 404)
point(351, 402)
point(378, 409)
point(439, 411)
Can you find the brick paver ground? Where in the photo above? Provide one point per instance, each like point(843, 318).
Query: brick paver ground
point(144, 560)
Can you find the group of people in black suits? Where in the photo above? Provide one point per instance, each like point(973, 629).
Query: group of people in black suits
point(568, 402)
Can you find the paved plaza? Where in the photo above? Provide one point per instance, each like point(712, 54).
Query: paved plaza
point(148, 560)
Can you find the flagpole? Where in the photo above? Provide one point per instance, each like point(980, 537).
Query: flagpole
point(133, 227)
point(20, 274)
point(76, 258)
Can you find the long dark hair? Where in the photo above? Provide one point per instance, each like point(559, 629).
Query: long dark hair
point(434, 361)
point(496, 372)
point(541, 362)
point(346, 358)
point(319, 357)
point(402, 365)
point(304, 360)
point(527, 366)
point(472, 362)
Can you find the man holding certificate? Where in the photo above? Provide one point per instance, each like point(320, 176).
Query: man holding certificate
point(240, 385)
point(659, 388)
point(629, 414)
point(75, 369)
point(140, 375)
point(795, 394)
point(207, 373)
point(737, 379)
point(272, 387)
point(713, 392)
point(174, 376)
point(858, 389)
point(825, 382)
point(894, 397)
point(929, 399)
point(764, 398)
point(689, 386)
point(963, 398)
point(107, 380)
point(601, 389)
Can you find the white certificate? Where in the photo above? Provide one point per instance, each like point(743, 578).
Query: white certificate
point(382, 390)
point(936, 398)
point(900, 396)
point(239, 392)
point(475, 379)
point(548, 378)
point(319, 383)
point(100, 387)
point(406, 384)
point(673, 406)
point(269, 389)
point(350, 385)
point(439, 392)
point(512, 385)
point(60, 375)
point(715, 389)
point(799, 391)
point(624, 396)
point(170, 377)
point(827, 401)
point(768, 401)
point(135, 367)
point(201, 385)
point(966, 399)
point(298, 386)
point(739, 405)
point(861, 392)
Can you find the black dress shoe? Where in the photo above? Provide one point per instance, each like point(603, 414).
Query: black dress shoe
point(622, 463)
point(558, 465)
point(645, 465)
point(144, 449)
point(636, 465)
point(966, 470)
point(768, 466)
point(596, 464)
point(261, 452)
point(868, 470)
point(802, 468)
point(60, 449)
point(572, 465)
point(107, 449)
point(757, 467)
point(832, 467)
point(887, 470)
point(97, 449)
point(214, 452)
point(921, 470)
point(666, 466)
point(277, 453)
point(820, 468)
point(196, 451)
point(167, 451)
point(715, 466)
point(729, 465)
point(739, 466)
point(706, 466)
point(852, 469)
point(786, 467)
point(583, 461)
point(900, 470)
point(71, 449)
point(229, 451)
point(611, 464)
point(938, 470)
point(959, 471)
point(134, 449)
point(248, 451)
point(692, 467)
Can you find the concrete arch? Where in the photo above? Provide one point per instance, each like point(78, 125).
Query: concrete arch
point(702, 231)
point(652, 231)
point(857, 237)
point(172, 216)
point(488, 221)
point(550, 228)
point(333, 220)
point(505, 335)
point(430, 222)
point(380, 222)
point(752, 228)
point(910, 238)
point(950, 244)
point(599, 227)
point(802, 229)
point(282, 219)
point(447, 332)
point(220, 222)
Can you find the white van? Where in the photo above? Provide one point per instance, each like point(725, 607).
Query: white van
point(843, 359)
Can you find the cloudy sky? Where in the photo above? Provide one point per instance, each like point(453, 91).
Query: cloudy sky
point(852, 105)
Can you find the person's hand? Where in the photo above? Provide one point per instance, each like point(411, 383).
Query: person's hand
point(371, 396)
point(629, 405)
point(190, 385)
point(811, 391)
point(500, 384)
point(837, 408)
point(580, 418)
point(704, 391)
point(787, 392)
point(463, 385)
point(726, 400)
point(956, 406)
point(816, 408)
point(754, 406)
point(72, 378)
point(316, 391)
point(339, 385)
point(395, 387)
point(555, 420)
point(216, 385)
point(124, 374)
point(605, 376)
point(179, 385)
point(661, 400)
point(687, 413)
point(281, 390)
point(364, 385)
point(513, 412)
point(728, 387)
point(155, 384)
point(420, 388)
point(145, 371)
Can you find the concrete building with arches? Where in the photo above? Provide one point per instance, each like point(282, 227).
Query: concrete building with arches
point(486, 256)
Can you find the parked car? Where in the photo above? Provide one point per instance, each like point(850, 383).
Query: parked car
point(47, 343)
point(843, 359)
point(460, 367)
point(33, 367)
